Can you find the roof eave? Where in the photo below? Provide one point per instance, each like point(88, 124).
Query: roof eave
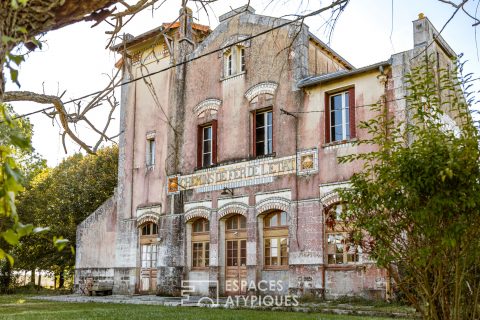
point(315, 80)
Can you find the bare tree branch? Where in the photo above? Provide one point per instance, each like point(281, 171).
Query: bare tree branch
point(46, 99)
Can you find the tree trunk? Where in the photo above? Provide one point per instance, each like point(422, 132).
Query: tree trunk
point(61, 280)
point(32, 277)
point(39, 281)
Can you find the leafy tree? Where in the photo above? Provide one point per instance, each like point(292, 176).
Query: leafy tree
point(76, 188)
point(418, 196)
point(14, 143)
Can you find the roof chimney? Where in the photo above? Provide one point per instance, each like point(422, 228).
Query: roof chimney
point(186, 21)
point(424, 33)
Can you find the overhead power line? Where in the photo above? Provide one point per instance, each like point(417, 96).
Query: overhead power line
point(221, 49)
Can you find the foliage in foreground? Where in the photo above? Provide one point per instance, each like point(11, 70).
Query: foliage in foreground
point(61, 198)
point(418, 197)
point(16, 154)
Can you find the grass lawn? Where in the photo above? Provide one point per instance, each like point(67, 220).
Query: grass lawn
point(25, 308)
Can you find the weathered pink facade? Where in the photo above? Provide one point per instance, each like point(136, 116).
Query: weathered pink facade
point(287, 72)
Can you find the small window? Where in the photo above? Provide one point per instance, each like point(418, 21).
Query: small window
point(234, 61)
point(201, 225)
point(229, 65)
point(340, 116)
point(263, 133)
point(237, 222)
point(242, 59)
point(276, 219)
point(207, 145)
point(149, 229)
point(150, 152)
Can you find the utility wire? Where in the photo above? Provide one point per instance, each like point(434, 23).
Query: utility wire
point(221, 49)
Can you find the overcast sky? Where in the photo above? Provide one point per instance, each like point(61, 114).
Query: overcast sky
point(75, 59)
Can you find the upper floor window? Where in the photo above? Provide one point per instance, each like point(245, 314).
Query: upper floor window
point(150, 154)
point(229, 64)
point(207, 145)
point(341, 248)
point(340, 116)
point(234, 60)
point(263, 134)
point(242, 59)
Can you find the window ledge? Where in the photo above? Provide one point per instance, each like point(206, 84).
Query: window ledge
point(339, 144)
point(263, 156)
point(233, 76)
point(348, 266)
point(282, 268)
point(199, 269)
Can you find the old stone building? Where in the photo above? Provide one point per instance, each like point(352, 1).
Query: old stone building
point(229, 153)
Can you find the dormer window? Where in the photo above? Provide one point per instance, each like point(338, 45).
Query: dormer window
point(235, 62)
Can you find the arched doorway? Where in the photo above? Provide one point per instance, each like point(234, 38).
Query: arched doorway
point(148, 257)
point(236, 255)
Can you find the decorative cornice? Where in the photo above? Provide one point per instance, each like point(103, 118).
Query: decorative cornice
point(262, 87)
point(148, 217)
point(274, 203)
point(235, 39)
point(208, 104)
point(233, 207)
point(329, 192)
point(197, 212)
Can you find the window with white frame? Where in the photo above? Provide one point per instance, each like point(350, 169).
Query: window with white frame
point(234, 60)
point(263, 132)
point(242, 59)
point(207, 146)
point(150, 154)
point(340, 116)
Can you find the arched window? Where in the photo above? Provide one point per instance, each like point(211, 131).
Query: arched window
point(341, 248)
point(149, 229)
point(148, 256)
point(234, 60)
point(275, 234)
point(236, 222)
point(200, 243)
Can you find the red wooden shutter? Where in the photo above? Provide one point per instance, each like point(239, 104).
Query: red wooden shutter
point(352, 109)
point(199, 146)
point(214, 141)
point(254, 135)
point(327, 118)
